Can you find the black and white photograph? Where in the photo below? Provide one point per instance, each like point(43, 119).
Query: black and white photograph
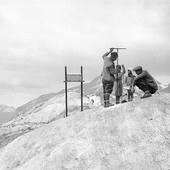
point(84, 84)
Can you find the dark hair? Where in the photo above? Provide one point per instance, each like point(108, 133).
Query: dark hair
point(137, 68)
point(118, 66)
point(114, 54)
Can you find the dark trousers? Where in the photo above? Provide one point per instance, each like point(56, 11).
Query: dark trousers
point(130, 95)
point(107, 90)
point(107, 86)
point(117, 99)
point(144, 86)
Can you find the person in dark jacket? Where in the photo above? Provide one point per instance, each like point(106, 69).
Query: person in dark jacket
point(108, 77)
point(145, 82)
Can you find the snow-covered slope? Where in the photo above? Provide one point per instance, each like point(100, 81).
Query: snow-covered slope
point(167, 89)
point(34, 104)
point(6, 113)
point(94, 88)
point(161, 86)
point(49, 111)
point(91, 88)
point(134, 135)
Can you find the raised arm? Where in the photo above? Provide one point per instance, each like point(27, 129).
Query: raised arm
point(125, 80)
point(124, 70)
point(107, 53)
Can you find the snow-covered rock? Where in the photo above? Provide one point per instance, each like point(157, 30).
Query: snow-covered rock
point(131, 136)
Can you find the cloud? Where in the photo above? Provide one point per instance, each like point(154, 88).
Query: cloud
point(38, 38)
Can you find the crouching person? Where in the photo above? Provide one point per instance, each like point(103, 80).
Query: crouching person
point(145, 82)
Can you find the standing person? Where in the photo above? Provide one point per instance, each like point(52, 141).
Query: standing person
point(119, 83)
point(145, 82)
point(108, 77)
point(129, 79)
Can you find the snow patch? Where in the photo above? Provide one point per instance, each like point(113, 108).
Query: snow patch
point(134, 135)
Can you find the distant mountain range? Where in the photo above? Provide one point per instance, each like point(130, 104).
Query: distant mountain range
point(6, 113)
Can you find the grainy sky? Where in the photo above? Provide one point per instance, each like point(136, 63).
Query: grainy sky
point(39, 37)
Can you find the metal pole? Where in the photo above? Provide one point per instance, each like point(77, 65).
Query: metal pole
point(117, 56)
point(81, 88)
point(116, 68)
point(118, 64)
point(66, 91)
point(120, 48)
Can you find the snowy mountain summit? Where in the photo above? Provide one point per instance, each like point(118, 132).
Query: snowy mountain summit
point(133, 135)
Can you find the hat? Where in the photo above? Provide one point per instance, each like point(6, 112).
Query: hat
point(137, 68)
point(130, 69)
point(113, 55)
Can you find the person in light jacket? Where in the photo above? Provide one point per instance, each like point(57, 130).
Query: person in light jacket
point(119, 83)
point(129, 79)
point(108, 75)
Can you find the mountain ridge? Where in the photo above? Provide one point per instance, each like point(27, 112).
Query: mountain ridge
point(94, 87)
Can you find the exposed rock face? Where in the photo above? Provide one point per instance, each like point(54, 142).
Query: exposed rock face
point(130, 136)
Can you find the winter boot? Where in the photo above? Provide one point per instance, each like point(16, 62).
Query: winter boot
point(108, 100)
point(105, 99)
point(117, 99)
point(146, 94)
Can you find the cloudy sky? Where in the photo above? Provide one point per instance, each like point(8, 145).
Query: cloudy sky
point(39, 37)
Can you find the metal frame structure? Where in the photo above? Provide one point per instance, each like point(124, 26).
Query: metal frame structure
point(73, 78)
